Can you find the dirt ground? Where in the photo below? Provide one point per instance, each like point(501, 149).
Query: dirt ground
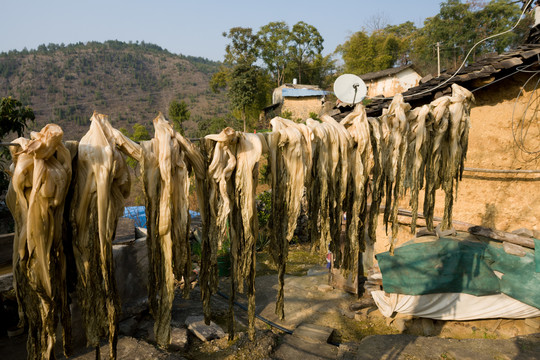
point(361, 334)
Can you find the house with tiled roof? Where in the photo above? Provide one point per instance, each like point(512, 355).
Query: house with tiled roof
point(391, 81)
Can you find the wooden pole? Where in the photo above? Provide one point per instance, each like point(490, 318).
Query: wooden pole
point(502, 236)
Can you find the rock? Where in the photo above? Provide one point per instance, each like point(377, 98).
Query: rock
point(317, 271)
point(204, 332)
point(347, 313)
point(533, 322)
point(348, 351)
point(131, 273)
point(400, 325)
point(428, 327)
point(514, 249)
point(128, 326)
point(313, 333)
point(523, 232)
point(325, 288)
point(294, 347)
point(179, 339)
point(125, 231)
point(362, 303)
point(6, 282)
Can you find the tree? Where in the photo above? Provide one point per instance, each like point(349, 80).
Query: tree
point(306, 43)
point(215, 125)
point(364, 53)
point(241, 77)
point(459, 26)
point(178, 113)
point(244, 46)
point(274, 39)
point(14, 117)
point(243, 89)
point(140, 133)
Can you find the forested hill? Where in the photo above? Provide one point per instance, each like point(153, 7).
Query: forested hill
point(131, 83)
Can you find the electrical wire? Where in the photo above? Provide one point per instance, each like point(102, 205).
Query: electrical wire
point(522, 126)
point(467, 56)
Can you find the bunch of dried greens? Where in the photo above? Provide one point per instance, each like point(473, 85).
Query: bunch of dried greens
point(41, 174)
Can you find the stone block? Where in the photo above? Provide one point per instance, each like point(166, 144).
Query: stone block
point(204, 332)
point(523, 232)
point(313, 333)
point(325, 288)
point(179, 339)
point(128, 326)
point(131, 273)
point(428, 327)
point(6, 282)
point(296, 348)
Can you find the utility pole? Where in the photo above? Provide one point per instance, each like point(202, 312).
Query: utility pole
point(438, 59)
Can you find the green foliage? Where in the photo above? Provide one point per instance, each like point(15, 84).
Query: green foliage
point(244, 46)
point(140, 133)
point(216, 124)
point(178, 113)
point(314, 116)
point(220, 79)
point(14, 116)
point(364, 53)
point(274, 40)
point(264, 209)
point(306, 43)
point(287, 114)
point(457, 27)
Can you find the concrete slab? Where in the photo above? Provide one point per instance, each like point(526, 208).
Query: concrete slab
point(294, 347)
point(313, 333)
point(204, 332)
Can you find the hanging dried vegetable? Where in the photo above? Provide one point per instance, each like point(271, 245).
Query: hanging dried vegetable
point(290, 158)
point(377, 188)
point(166, 186)
point(419, 143)
point(217, 188)
point(459, 110)
point(244, 224)
point(102, 183)
point(41, 174)
point(395, 131)
point(360, 166)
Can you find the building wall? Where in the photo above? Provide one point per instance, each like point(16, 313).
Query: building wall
point(395, 84)
point(502, 201)
point(301, 107)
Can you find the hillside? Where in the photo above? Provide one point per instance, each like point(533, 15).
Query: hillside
point(129, 82)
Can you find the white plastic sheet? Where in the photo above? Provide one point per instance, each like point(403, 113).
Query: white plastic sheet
point(453, 306)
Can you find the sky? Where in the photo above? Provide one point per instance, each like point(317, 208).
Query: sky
point(190, 27)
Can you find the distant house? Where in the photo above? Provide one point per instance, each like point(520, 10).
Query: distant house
point(298, 99)
point(391, 81)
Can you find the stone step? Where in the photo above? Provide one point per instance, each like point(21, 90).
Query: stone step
point(294, 347)
point(313, 333)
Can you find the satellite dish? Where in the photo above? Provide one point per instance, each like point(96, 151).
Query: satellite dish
point(350, 89)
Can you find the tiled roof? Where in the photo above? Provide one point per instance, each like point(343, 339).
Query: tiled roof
point(487, 70)
point(384, 73)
